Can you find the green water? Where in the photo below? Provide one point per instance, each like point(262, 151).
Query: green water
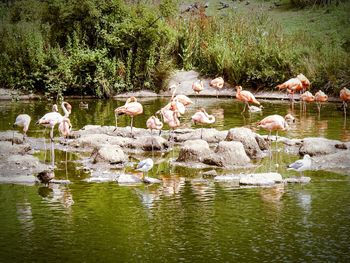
point(183, 219)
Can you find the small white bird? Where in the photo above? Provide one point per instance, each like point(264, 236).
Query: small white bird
point(144, 166)
point(301, 165)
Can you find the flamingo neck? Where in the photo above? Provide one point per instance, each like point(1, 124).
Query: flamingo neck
point(66, 112)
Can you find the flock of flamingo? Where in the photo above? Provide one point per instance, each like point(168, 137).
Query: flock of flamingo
point(177, 105)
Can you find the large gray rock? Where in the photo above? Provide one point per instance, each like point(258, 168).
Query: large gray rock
point(336, 162)
point(209, 135)
point(149, 143)
point(260, 179)
point(228, 154)
point(10, 136)
point(97, 140)
point(127, 179)
point(193, 150)
point(110, 153)
point(249, 141)
point(318, 146)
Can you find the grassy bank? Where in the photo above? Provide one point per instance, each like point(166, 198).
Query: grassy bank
point(105, 47)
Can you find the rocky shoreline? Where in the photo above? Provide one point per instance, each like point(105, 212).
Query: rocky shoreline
point(106, 149)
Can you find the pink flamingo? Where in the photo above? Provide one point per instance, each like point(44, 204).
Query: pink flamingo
point(52, 118)
point(130, 108)
point(202, 117)
point(186, 101)
point(197, 86)
point(22, 120)
point(345, 97)
point(170, 117)
point(320, 97)
point(275, 123)
point(306, 97)
point(154, 123)
point(217, 83)
point(295, 84)
point(246, 97)
point(65, 127)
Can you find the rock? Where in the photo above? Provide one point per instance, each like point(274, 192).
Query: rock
point(211, 173)
point(7, 149)
point(128, 179)
point(193, 150)
point(10, 135)
point(318, 146)
point(336, 162)
point(150, 180)
point(249, 141)
point(260, 179)
point(149, 143)
point(228, 154)
point(302, 180)
point(137, 94)
point(208, 135)
point(228, 178)
point(110, 153)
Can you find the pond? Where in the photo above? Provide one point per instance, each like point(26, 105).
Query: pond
point(184, 219)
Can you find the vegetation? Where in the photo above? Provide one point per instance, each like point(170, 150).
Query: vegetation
point(102, 47)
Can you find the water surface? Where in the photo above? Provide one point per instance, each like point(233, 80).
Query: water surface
point(184, 219)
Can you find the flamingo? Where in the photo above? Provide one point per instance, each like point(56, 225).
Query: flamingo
point(304, 81)
point(246, 97)
point(202, 117)
point(295, 84)
point(170, 116)
point(22, 120)
point(130, 108)
point(144, 166)
point(320, 97)
point(274, 123)
point(186, 101)
point(154, 123)
point(345, 97)
point(217, 83)
point(197, 86)
point(306, 97)
point(65, 127)
point(52, 118)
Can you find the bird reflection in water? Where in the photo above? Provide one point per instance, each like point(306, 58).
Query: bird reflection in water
point(57, 193)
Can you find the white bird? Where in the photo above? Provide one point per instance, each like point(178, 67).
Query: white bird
point(301, 165)
point(22, 120)
point(52, 118)
point(144, 166)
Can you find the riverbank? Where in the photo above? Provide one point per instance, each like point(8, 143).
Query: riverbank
point(181, 79)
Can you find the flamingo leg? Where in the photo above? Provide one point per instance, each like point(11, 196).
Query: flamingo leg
point(51, 133)
point(276, 139)
point(132, 120)
point(116, 121)
point(201, 133)
point(13, 137)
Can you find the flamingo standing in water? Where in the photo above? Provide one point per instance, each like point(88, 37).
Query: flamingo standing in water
point(202, 117)
point(22, 120)
point(306, 97)
point(52, 118)
point(130, 108)
point(300, 83)
point(154, 123)
point(65, 127)
point(320, 97)
point(217, 83)
point(274, 123)
point(246, 97)
point(170, 116)
point(345, 97)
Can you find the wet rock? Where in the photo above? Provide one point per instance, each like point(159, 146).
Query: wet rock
point(249, 141)
point(260, 179)
point(128, 179)
point(301, 180)
point(193, 150)
point(110, 153)
point(151, 180)
point(9, 136)
point(149, 143)
point(102, 177)
point(228, 154)
point(208, 135)
point(97, 140)
point(6, 148)
point(318, 146)
point(211, 173)
point(336, 162)
point(228, 178)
